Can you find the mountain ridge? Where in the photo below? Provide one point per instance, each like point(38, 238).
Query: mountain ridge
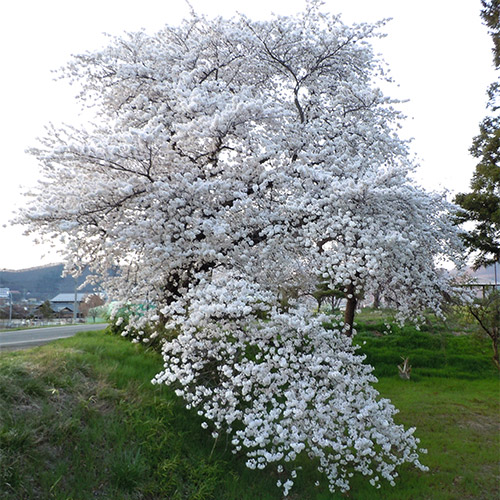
point(41, 282)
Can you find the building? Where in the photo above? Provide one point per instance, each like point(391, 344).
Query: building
point(64, 304)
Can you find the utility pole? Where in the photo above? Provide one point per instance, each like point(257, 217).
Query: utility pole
point(496, 278)
point(10, 309)
point(75, 304)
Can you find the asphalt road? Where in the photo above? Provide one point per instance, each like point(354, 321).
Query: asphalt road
point(20, 339)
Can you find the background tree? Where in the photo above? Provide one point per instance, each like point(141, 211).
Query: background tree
point(482, 204)
point(46, 310)
point(19, 311)
point(486, 311)
point(90, 306)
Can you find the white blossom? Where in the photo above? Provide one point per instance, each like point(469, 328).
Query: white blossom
point(231, 165)
point(324, 405)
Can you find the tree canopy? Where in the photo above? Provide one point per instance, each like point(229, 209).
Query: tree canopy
point(258, 149)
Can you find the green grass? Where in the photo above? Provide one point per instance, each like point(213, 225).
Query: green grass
point(79, 419)
point(434, 350)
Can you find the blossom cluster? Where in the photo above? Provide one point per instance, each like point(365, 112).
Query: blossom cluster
point(286, 385)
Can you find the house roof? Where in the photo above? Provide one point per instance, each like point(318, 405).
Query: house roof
point(59, 308)
point(69, 297)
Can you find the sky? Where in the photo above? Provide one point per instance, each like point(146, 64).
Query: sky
point(438, 51)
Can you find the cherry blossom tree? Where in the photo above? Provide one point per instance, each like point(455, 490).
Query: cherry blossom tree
point(231, 164)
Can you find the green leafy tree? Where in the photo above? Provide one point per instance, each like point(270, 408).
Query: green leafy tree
point(482, 204)
point(491, 16)
point(46, 310)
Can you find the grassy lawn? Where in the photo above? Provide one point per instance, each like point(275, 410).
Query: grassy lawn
point(79, 419)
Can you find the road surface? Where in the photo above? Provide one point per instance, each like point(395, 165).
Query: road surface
point(20, 339)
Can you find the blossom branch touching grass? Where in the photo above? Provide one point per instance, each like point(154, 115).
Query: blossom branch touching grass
point(283, 386)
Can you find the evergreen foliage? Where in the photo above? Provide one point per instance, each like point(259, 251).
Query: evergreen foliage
point(482, 204)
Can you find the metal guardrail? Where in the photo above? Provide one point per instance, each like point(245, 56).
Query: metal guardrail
point(23, 323)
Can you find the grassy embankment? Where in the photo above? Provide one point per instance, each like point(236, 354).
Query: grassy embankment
point(79, 420)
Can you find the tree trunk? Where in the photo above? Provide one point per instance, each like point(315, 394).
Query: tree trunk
point(350, 310)
point(319, 300)
point(162, 320)
point(496, 359)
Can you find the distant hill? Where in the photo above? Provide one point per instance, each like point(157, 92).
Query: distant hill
point(40, 283)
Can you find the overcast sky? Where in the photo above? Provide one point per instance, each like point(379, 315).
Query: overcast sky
point(438, 50)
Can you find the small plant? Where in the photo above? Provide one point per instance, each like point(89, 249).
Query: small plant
point(404, 369)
